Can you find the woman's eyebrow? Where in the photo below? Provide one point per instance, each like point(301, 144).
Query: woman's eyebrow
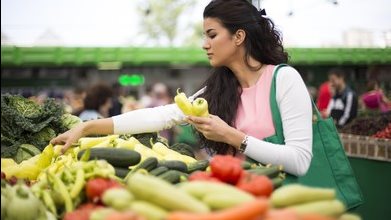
point(209, 30)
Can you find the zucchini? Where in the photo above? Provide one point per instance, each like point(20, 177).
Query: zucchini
point(149, 210)
point(121, 172)
point(173, 165)
point(164, 194)
point(148, 164)
point(200, 165)
point(158, 170)
point(171, 176)
point(199, 189)
point(271, 172)
point(246, 165)
point(118, 157)
point(331, 208)
point(293, 194)
point(219, 200)
point(277, 182)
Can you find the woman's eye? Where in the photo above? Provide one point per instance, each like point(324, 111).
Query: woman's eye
point(212, 36)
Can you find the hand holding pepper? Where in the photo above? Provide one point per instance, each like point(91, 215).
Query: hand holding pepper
point(214, 128)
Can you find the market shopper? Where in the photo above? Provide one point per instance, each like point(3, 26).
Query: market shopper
point(97, 102)
point(243, 47)
point(374, 98)
point(324, 96)
point(343, 106)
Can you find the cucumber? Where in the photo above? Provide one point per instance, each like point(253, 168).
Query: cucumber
point(271, 172)
point(121, 172)
point(173, 165)
point(246, 165)
point(118, 157)
point(200, 165)
point(158, 170)
point(164, 194)
point(277, 182)
point(293, 194)
point(171, 176)
point(148, 164)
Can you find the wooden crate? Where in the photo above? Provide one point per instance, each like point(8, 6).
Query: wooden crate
point(366, 147)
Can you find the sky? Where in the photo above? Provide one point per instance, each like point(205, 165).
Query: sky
point(314, 23)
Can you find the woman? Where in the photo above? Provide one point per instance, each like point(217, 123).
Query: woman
point(97, 102)
point(374, 98)
point(243, 46)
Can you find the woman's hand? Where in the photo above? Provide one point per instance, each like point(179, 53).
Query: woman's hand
point(69, 137)
point(215, 129)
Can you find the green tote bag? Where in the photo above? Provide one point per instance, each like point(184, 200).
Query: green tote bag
point(329, 166)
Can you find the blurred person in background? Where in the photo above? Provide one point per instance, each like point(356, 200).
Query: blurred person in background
point(374, 98)
point(343, 106)
point(244, 48)
point(118, 95)
point(97, 102)
point(324, 96)
point(74, 100)
point(161, 95)
point(146, 99)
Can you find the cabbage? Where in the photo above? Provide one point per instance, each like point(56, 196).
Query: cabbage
point(69, 121)
point(24, 121)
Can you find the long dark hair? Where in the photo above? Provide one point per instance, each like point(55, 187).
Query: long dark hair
point(262, 42)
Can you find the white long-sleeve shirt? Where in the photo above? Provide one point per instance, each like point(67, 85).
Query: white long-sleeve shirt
point(296, 113)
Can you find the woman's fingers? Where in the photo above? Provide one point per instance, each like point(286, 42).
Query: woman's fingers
point(56, 140)
point(65, 147)
point(199, 120)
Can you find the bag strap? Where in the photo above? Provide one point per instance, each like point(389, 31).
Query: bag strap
point(277, 121)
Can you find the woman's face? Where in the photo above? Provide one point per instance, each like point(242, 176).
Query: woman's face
point(219, 43)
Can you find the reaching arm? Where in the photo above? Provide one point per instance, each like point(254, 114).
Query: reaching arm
point(133, 122)
point(99, 126)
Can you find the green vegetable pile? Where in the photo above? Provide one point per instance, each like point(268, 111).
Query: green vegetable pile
point(25, 122)
point(19, 203)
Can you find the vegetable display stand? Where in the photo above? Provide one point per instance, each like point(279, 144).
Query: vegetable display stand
point(374, 178)
point(367, 147)
point(370, 159)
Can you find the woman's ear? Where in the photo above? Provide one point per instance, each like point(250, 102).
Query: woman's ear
point(240, 35)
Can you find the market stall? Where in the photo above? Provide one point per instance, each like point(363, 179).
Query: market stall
point(367, 143)
point(141, 177)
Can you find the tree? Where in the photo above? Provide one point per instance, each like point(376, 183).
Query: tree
point(160, 18)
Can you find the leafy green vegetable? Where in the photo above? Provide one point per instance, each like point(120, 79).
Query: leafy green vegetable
point(26, 151)
point(24, 121)
point(69, 121)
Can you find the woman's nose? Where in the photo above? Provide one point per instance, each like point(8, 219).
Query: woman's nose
point(205, 45)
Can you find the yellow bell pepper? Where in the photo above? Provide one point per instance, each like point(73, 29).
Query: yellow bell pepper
point(183, 103)
point(200, 107)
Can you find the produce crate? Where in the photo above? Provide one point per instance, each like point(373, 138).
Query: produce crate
point(366, 147)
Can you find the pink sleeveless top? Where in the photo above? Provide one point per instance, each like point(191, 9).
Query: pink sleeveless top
point(254, 115)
